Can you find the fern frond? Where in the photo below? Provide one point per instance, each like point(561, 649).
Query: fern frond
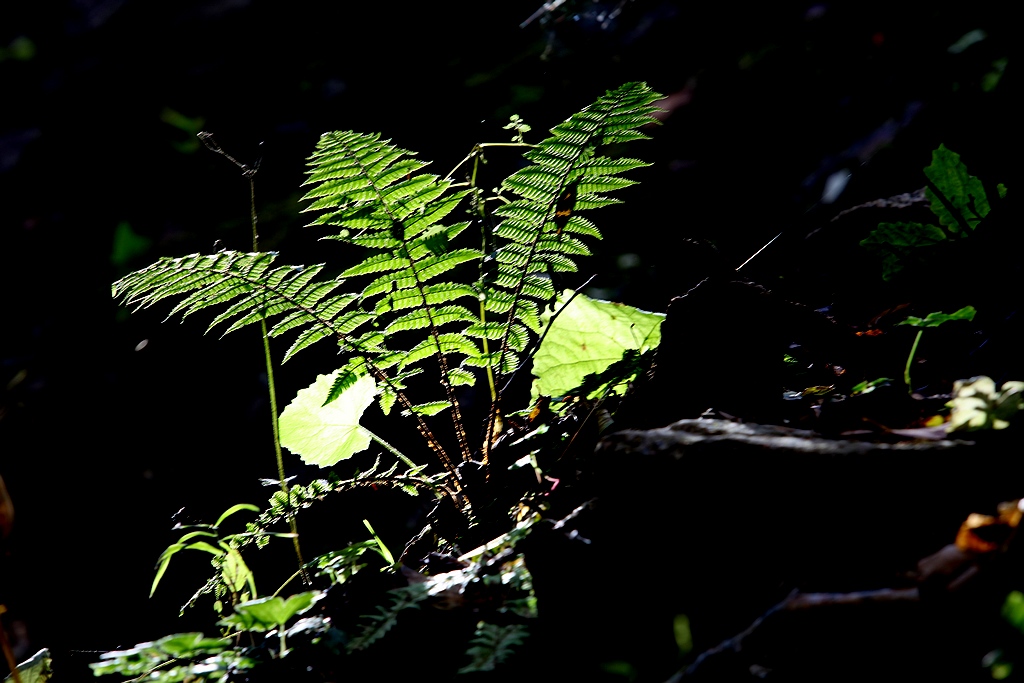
point(291, 296)
point(366, 184)
point(492, 645)
point(251, 291)
point(301, 497)
point(379, 624)
point(541, 229)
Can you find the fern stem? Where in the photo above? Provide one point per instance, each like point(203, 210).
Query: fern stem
point(494, 421)
point(490, 372)
point(460, 429)
point(378, 374)
point(505, 144)
point(391, 449)
point(565, 175)
point(249, 172)
point(252, 213)
point(485, 247)
point(421, 426)
point(449, 390)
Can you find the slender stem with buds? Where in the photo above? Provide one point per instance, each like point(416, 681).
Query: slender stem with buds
point(250, 173)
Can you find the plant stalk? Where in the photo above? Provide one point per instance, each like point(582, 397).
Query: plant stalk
point(249, 172)
point(391, 449)
point(272, 391)
point(910, 360)
point(485, 247)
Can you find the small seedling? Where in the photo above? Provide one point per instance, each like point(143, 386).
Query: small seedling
point(930, 320)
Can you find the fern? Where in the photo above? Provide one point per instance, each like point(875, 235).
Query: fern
point(406, 307)
point(379, 624)
point(368, 188)
point(493, 645)
point(303, 496)
point(361, 188)
point(541, 231)
point(255, 292)
point(414, 308)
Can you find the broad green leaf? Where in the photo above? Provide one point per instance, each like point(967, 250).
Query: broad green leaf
point(965, 199)
point(189, 644)
point(326, 434)
point(587, 337)
point(977, 405)
point(267, 613)
point(895, 241)
point(937, 318)
point(36, 669)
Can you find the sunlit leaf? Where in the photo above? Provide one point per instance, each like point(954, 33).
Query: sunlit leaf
point(35, 669)
point(268, 613)
point(326, 434)
point(587, 337)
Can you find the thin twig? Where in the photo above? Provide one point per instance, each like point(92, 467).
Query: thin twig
point(793, 602)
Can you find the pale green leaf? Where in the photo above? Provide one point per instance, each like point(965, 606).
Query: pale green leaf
point(326, 434)
point(270, 612)
point(587, 337)
point(36, 669)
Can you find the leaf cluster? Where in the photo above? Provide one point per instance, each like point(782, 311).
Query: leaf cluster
point(410, 309)
point(956, 198)
point(423, 296)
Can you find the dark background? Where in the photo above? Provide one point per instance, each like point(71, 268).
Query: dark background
point(103, 438)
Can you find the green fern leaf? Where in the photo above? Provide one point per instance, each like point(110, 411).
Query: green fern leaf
point(430, 318)
point(436, 294)
point(251, 291)
point(379, 624)
point(541, 229)
point(431, 408)
point(345, 377)
point(449, 343)
point(492, 645)
point(398, 213)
